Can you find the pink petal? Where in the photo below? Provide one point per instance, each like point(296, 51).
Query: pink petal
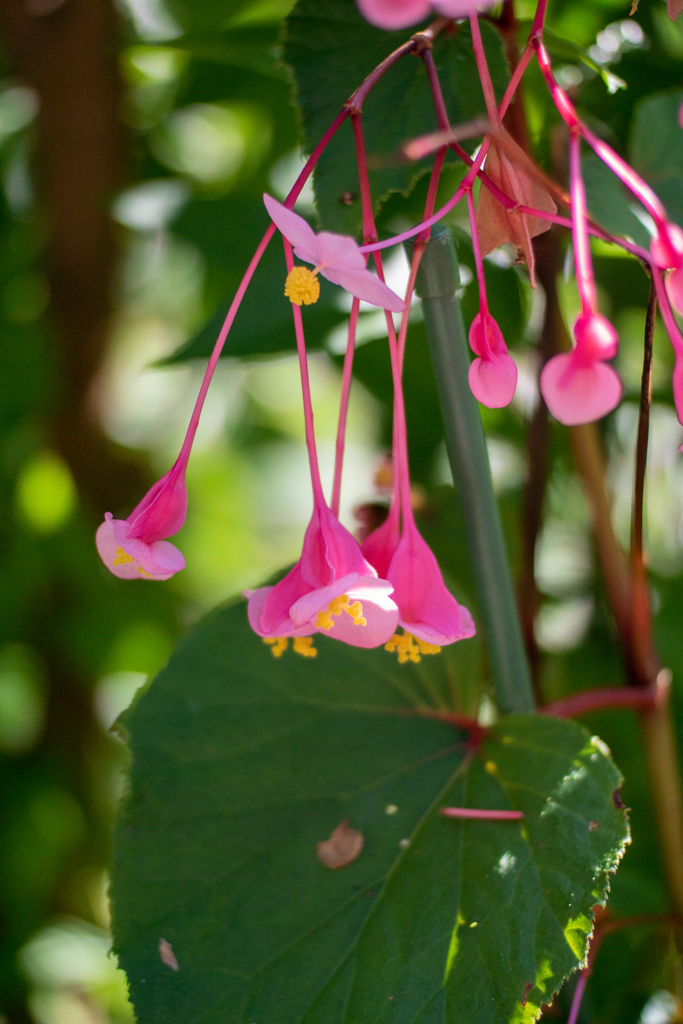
point(255, 604)
point(378, 549)
point(579, 394)
point(461, 8)
point(493, 381)
point(674, 8)
point(329, 551)
point(107, 544)
point(595, 339)
point(393, 14)
point(379, 612)
point(340, 251)
point(275, 620)
point(162, 511)
point(159, 560)
point(296, 230)
point(305, 611)
point(425, 607)
point(486, 342)
point(674, 289)
point(667, 247)
point(365, 286)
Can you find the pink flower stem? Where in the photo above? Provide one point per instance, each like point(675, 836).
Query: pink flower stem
point(633, 181)
point(578, 996)
point(470, 812)
point(400, 452)
point(484, 74)
point(318, 495)
point(638, 698)
point(672, 328)
point(244, 284)
point(582, 256)
point(469, 178)
point(479, 263)
point(344, 407)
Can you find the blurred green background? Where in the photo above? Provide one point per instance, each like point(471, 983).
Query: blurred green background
point(135, 141)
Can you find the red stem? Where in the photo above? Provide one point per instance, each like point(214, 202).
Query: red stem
point(470, 812)
point(344, 407)
point(582, 256)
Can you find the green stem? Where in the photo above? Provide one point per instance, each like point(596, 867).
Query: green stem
point(437, 280)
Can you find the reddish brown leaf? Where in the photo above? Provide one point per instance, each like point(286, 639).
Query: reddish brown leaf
point(342, 847)
point(495, 224)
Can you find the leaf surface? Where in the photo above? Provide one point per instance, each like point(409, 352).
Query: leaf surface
point(242, 764)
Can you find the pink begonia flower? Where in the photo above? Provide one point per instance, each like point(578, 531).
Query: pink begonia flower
point(578, 386)
point(135, 548)
point(493, 375)
point(397, 14)
point(426, 609)
point(379, 547)
point(336, 257)
point(331, 589)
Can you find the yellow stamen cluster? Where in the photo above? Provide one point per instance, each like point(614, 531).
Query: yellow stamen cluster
point(336, 607)
point(303, 645)
point(122, 557)
point(302, 286)
point(410, 648)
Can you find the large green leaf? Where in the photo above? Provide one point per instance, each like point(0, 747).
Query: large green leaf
point(242, 763)
point(331, 50)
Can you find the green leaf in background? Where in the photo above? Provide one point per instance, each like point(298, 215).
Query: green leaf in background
point(242, 764)
point(610, 204)
point(331, 50)
point(656, 147)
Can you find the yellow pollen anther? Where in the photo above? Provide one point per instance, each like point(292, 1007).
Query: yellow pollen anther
point(409, 648)
point(303, 645)
point(278, 644)
point(302, 286)
point(336, 607)
point(122, 557)
point(144, 572)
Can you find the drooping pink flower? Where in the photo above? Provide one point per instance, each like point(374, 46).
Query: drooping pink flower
point(380, 546)
point(336, 257)
point(331, 589)
point(578, 386)
point(136, 548)
point(398, 14)
point(426, 609)
point(493, 375)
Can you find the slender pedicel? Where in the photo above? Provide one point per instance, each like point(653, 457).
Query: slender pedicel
point(470, 812)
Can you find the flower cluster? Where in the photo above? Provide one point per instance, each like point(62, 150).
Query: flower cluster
point(362, 594)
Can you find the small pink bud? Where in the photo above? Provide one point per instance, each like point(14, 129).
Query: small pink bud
point(667, 247)
point(674, 288)
point(492, 377)
point(595, 338)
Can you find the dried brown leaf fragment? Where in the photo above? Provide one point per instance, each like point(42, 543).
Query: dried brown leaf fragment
point(167, 955)
point(342, 847)
point(506, 165)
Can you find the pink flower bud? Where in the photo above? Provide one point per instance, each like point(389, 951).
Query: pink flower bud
point(595, 338)
point(667, 247)
point(492, 377)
